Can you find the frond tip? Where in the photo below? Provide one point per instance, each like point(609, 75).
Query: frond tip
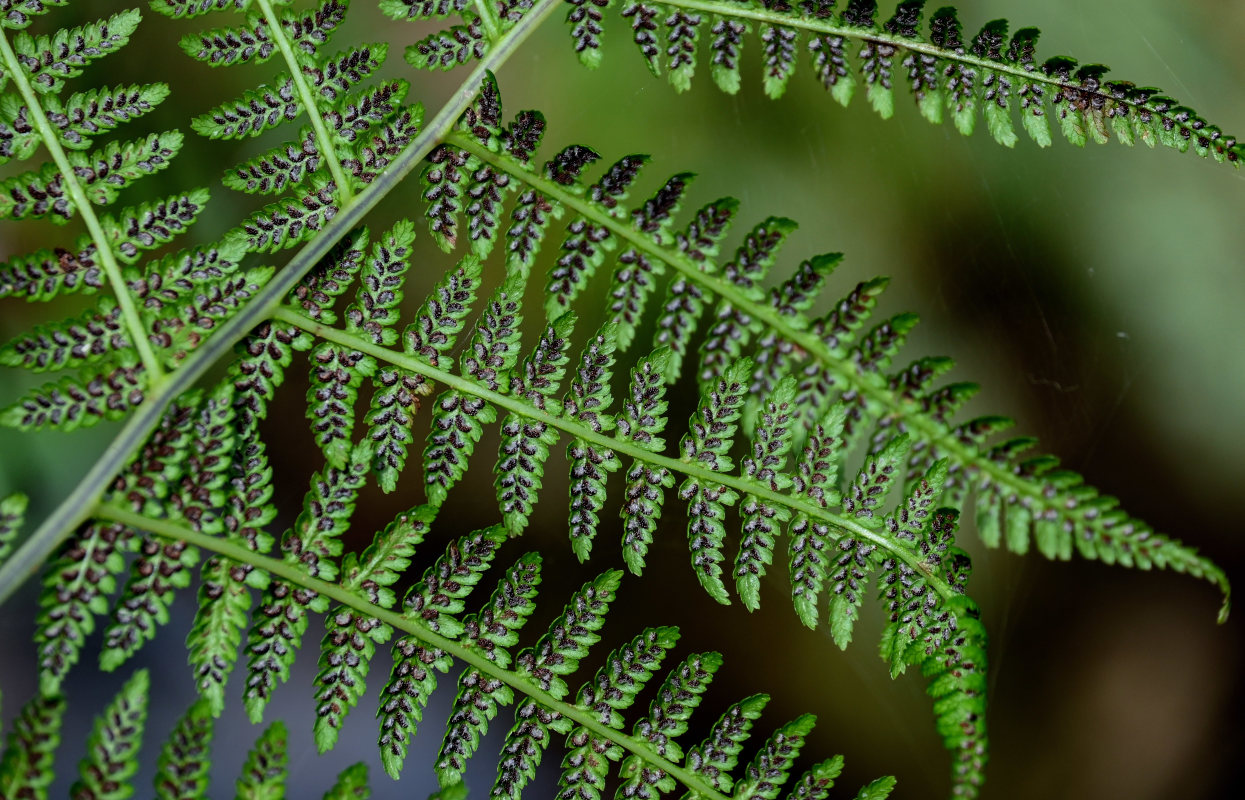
point(950, 75)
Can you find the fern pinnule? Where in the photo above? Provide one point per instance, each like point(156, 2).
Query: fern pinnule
point(26, 769)
point(112, 750)
point(525, 442)
point(267, 765)
point(76, 586)
point(12, 515)
point(186, 758)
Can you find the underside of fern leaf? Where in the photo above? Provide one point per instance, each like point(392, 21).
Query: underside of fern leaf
point(804, 432)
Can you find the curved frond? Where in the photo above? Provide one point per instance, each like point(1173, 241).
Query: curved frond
point(852, 46)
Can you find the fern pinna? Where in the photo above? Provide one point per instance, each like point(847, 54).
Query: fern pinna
point(790, 388)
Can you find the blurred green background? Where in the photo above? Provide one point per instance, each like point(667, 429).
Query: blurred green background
point(1096, 295)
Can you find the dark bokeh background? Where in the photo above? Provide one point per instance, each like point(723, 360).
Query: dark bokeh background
point(1095, 294)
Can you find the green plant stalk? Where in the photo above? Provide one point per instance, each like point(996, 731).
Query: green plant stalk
point(108, 260)
point(324, 141)
point(293, 575)
point(576, 429)
point(488, 19)
point(926, 428)
point(76, 508)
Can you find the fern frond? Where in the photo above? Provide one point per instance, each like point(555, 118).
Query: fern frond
point(26, 769)
point(112, 751)
point(186, 758)
point(351, 135)
point(816, 385)
point(70, 184)
point(773, 382)
point(50, 60)
point(950, 74)
point(841, 366)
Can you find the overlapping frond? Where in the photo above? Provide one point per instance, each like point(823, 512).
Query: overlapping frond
point(114, 350)
point(353, 129)
point(799, 391)
point(852, 46)
point(436, 635)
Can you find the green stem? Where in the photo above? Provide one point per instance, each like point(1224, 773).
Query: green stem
point(293, 575)
point(488, 19)
point(324, 140)
point(108, 260)
point(76, 508)
point(691, 469)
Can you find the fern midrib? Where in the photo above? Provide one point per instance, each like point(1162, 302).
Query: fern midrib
point(103, 248)
point(581, 431)
point(915, 45)
point(812, 344)
point(345, 193)
point(488, 19)
point(76, 508)
point(292, 574)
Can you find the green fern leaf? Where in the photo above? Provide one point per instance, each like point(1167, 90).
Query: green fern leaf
point(49, 60)
point(351, 784)
point(816, 783)
point(625, 673)
point(715, 758)
point(186, 758)
point(817, 478)
point(731, 329)
point(685, 300)
point(679, 696)
point(45, 274)
point(588, 398)
point(525, 441)
point(94, 336)
point(254, 42)
point(12, 515)
point(411, 684)
point(766, 464)
point(768, 772)
point(496, 626)
point(312, 545)
point(707, 445)
point(263, 774)
point(459, 44)
point(567, 640)
point(586, 243)
point(643, 422)
point(26, 770)
point(20, 13)
point(112, 751)
point(525, 746)
point(636, 274)
point(879, 789)
point(949, 73)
